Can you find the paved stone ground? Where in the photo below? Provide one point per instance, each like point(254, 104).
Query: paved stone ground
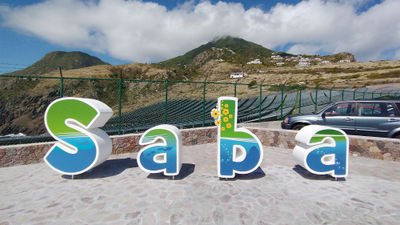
point(118, 192)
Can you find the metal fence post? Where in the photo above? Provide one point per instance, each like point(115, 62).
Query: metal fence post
point(299, 99)
point(372, 95)
point(61, 83)
point(354, 95)
point(119, 104)
point(259, 110)
point(316, 98)
point(235, 89)
point(166, 102)
point(363, 95)
point(342, 94)
point(204, 103)
point(330, 95)
point(282, 90)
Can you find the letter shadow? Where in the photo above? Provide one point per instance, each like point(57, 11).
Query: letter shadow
point(108, 168)
point(186, 170)
point(256, 174)
point(306, 174)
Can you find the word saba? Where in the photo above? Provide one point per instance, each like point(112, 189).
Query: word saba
point(81, 145)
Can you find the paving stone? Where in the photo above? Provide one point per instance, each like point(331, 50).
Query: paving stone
point(279, 194)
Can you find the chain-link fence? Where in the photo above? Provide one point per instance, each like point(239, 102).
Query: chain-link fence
point(141, 104)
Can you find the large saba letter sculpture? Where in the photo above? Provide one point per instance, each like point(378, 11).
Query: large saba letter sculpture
point(161, 157)
point(239, 150)
point(74, 123)
point(322, 150)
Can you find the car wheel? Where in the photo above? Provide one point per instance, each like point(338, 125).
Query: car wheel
point(396, 136)
point(298, 126)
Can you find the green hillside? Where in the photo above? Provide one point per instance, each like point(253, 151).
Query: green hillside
point(229, 49)
point(66, 60)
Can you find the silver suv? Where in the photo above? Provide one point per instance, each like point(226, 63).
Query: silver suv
point(379, 118)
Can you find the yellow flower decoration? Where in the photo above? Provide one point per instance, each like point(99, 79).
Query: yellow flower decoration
point(228, 125)
point(230, 116)
point(218, 122)
point(215, 113)
point(225, 111)
point(226, 105)
point(225, 119)
point(223, 128)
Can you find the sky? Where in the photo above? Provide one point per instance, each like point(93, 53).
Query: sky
point(125, 31)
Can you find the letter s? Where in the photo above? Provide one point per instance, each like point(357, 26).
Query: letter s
point(74, 123)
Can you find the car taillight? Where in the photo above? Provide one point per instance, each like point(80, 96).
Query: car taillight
point(286, 120)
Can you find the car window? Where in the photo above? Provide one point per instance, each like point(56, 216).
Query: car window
point(377, 109)
point(341, 109)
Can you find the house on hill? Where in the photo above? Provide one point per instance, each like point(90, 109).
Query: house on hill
point(304, 62)
point(237, 75)
point(256, 61)
point(277, 57)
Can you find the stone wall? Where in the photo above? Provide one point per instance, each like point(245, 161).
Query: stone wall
point(378, 148)
point(370, 147)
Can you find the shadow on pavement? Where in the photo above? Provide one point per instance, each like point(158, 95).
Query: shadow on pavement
point(256, 174)
point(304, 173)
point(109, 168)
point(186, 170)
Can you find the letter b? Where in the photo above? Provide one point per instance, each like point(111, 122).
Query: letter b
point(239, 150)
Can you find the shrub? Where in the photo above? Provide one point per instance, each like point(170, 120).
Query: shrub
point(252, 84)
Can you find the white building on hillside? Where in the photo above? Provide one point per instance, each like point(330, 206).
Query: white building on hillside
point(277, 57)
point(237, 75)
point(256, 61)
point(345, 61)
point(304, 62)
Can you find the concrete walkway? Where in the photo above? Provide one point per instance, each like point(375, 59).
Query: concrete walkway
point(118, 192)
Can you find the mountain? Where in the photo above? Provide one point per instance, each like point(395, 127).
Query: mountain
point(229, 49)
point(66, 60)
point(23, 101)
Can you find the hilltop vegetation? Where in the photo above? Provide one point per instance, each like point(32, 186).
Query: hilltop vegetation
point(228, 49)
point(66, 60)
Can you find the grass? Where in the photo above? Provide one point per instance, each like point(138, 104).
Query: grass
point(319, 80)
point(354, 76)
point(391, 74)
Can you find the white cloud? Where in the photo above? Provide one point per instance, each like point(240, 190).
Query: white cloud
point(397, 55)
point(140, 31)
